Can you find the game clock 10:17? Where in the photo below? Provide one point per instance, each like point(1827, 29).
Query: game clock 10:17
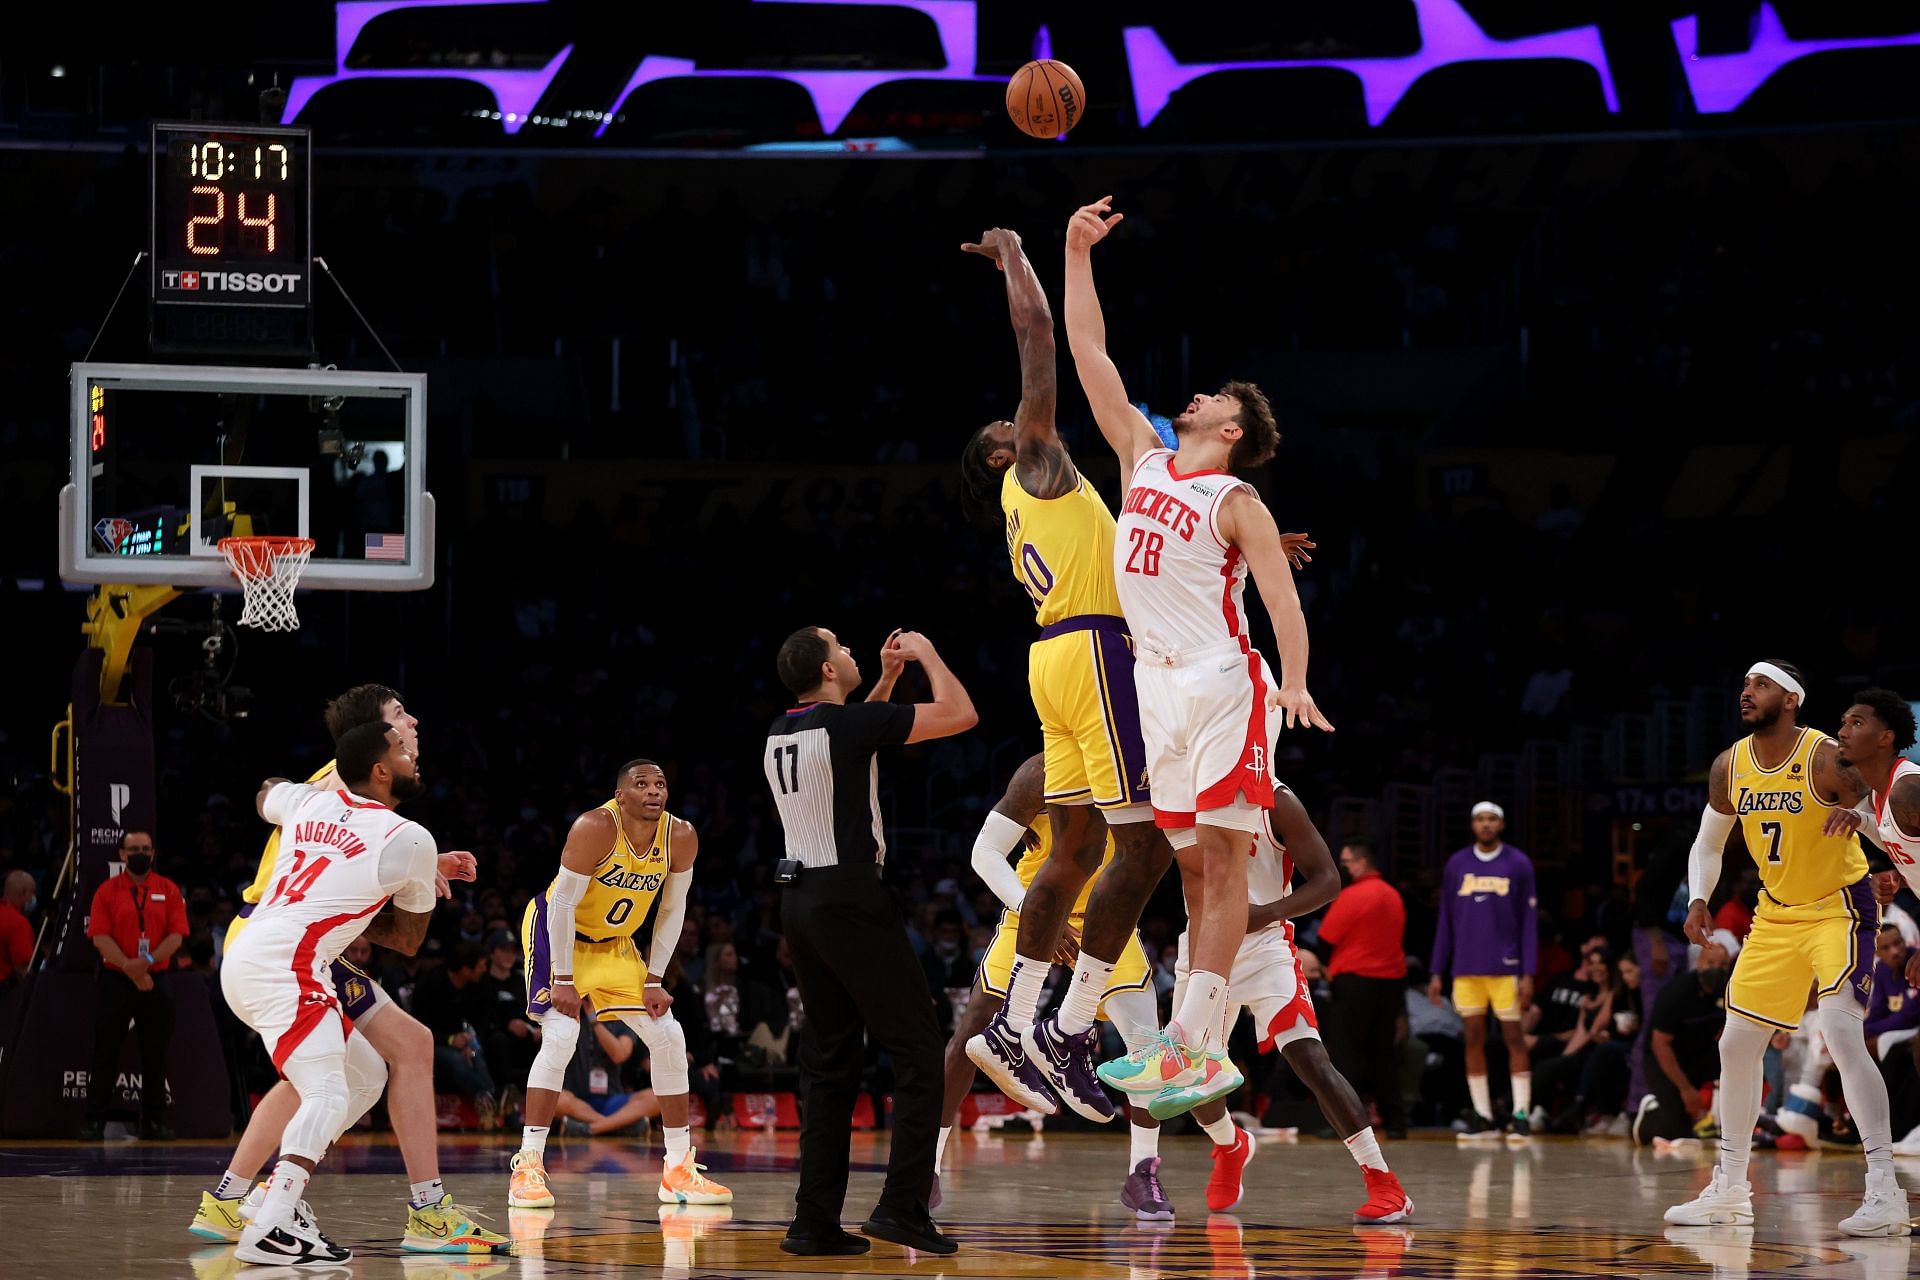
point(230, 208)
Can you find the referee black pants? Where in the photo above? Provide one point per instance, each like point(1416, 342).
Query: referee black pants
point(858, 976)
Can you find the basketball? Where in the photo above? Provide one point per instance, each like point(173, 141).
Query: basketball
point(1045, 98)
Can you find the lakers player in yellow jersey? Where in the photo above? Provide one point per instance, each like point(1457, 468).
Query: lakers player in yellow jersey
point(578, 939)
point(1020, 823)
point(434, 1223)
point(1813, 930)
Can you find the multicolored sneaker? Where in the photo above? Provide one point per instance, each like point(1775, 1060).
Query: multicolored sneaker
point(1227, 1184)
point(687, 1183)
point(998, 1052)
point(1165, 1063)
point(1143, 1195)
point(1067, 1062)
point(1219, 1078)
point(217, 1219)
point(529, 1189)
point(1387, 1200)
point(447, 1227)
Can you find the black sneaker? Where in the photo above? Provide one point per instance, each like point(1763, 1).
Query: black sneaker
point(1838, 1135)
point(1519, 1130)
point(92, 1130)
point(1478, 1128)
point(810, 1242)
point(917, 1232)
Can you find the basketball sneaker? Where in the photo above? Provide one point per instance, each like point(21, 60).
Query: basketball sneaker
point(1163, 1063)
point(1143, 1195)
point(217, 1219)
point(1722, 1204)
point(999, 1053)
point(1519, 1130)
point(1227, 1185)
point(687, 1183)
point(1387, 1200)
point(529, 1189)
point(446, 1227)
point(1883, 1212)
point(296, 1242)
point(1478, 1129)
point(1067, 1063)
point(1219, 1078)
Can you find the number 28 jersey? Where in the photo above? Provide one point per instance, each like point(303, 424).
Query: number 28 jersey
point(1181, 585)
point(1782, 816)
point(621, 889)
point(1062, 550)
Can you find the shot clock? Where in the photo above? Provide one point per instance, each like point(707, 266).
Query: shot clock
point(232, 245)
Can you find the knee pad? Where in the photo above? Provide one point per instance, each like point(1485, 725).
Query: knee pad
point(558, 1036)
point(366, 1080)
point(317, 1070)
point(667, 1043)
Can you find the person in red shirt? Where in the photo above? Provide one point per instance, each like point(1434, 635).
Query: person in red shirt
point(139, 920)
point(16, 930)
point(1366, 927)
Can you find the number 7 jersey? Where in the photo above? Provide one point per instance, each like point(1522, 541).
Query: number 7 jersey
point(1782, 818)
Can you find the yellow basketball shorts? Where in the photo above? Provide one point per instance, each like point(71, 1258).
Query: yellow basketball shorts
point(612, 974)
point(1080, 672)
point(1824, 946)
point(1477, 993)
point(1131, 972)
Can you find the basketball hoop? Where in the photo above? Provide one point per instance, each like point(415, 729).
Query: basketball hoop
point(269, 569)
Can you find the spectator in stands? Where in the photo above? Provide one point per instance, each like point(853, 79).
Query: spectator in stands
point(949, 970)
point(1683, 1047)
point(1565, 1031)
point(1433, 1057)
point(1736, 913)
point(139, 920)
point(510, 1040)
point(1366, 929)
point(447, 1000)
point(1659, 945)
point(594, 1098)
point(16, 926)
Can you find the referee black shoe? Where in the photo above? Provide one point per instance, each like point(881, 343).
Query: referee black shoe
point(814, 1243)
point(917, 1232)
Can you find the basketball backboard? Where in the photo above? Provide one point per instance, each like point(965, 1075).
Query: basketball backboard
point(169, 459)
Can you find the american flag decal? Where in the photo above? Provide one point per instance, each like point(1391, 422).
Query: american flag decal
point(386, 546)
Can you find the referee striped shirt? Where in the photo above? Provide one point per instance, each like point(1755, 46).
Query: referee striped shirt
point(825, 778)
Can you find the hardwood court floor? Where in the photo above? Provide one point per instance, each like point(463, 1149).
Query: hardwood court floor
point(1021, 1206)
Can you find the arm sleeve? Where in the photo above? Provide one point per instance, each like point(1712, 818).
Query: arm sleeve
point(1443, 934)
point(407, 868)
point(667, 921)
point(1709, 848)
point(999, 836)
point(283, 800)
point(1529, 909)
point(568, 888)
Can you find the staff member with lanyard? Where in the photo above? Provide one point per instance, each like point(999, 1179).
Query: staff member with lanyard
point(856, 969)
point(139, 919)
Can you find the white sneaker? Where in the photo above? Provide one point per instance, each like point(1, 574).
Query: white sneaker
point(1722, 1204)
point(1909, 1145)
point(297, 1242)
point(1883, 1212)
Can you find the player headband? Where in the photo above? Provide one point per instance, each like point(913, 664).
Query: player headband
point(1780, 678)
point(1488, 806)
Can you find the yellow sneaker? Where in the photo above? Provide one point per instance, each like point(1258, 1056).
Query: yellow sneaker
point(215, 1264)
point(447, 1227)
point(529, 1187)
point(217, 1219)
point(687, 1183)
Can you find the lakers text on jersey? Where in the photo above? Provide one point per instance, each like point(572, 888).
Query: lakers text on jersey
point(608, 969)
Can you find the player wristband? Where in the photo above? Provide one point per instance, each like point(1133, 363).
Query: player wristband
point(655, 982)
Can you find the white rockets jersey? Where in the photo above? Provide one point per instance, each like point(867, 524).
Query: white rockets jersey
point(1180, 584)
point(1270, 873)
point(341, 857)
point(1903, 847)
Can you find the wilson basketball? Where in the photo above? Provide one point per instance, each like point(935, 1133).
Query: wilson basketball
point(1045, 98)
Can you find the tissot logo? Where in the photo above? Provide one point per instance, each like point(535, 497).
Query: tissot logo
point(179, 279)
point(283, 282)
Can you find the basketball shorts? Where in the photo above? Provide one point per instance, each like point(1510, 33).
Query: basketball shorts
point(1266, 981)
point(1476, 993)
point(1204, 722)
point(1131, 972)
point(277, 998)
point(1825, 945)
point(359, 995)
point(1080, 673)
point(610, 973)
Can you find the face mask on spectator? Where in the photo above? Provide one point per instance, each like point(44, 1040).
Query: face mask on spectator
point(139, 863)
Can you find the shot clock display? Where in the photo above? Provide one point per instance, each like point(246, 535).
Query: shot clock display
point(231, 214)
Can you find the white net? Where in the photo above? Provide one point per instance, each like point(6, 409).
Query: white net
point(269, 569)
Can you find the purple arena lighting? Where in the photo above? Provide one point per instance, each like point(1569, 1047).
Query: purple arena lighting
point(1448, 34)
point(1721, 82)
point(515, 93)
point(835, 93)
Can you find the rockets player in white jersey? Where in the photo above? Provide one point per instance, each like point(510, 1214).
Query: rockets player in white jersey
point(1874, 731)
point(344, 854)
point(1189, 533)
point(1266, 981)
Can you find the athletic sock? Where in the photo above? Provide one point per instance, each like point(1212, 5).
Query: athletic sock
point(1743, 1047)
point(1146, 1144)
point(1482, 1100)
point(1089, 984)
point(940, 1146)
point(534, 1138)
point(1023, 990)
point(679, 1142)
point(1862, 1084)
point(288, 1184)
point(426, 1194)
point(1221, 1131)
point(1199, 1012)
point(1522, 1094)
point(1365, 1150)
point(231, 1186)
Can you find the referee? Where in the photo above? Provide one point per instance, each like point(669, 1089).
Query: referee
point(856, 969)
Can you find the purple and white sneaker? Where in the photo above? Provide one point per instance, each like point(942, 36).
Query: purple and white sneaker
point(998, 1052)
point(1143, 1195)
point(1067, 1063)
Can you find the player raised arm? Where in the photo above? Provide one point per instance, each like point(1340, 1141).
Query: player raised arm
point(589, 841)
point(1295, 832)
point(1044, 467)
point(1245, 523)
point(1125, 428)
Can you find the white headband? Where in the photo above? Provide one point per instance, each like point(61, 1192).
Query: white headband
point(1488, 806)
point(1780, 678)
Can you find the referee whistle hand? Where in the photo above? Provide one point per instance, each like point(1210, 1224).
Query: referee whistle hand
point(911, 645)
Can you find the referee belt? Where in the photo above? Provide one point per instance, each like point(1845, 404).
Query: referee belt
point(839, 868)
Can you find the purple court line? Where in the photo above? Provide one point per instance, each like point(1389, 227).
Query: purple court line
point(1722, 81)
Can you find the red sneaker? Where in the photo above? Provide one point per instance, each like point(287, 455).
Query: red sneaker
point(1224, 1188)
point(1387, 1200)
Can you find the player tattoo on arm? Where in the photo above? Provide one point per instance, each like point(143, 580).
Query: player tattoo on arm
point(1044, 467)
point(398, 930)
point(1718, 778)
point(1905, 803)
point(1834, 782)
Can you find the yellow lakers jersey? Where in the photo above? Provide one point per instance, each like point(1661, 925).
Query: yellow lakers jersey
point(1062, 550)
point(1781, 817)
point(623, 886)
point(1035, 857)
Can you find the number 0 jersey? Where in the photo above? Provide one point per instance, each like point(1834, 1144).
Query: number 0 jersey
point(1782, 817)
point(623, 886)
point(1062, 550)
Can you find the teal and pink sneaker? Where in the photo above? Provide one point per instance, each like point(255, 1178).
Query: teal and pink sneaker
point(1218, 1079)
point(1163, 1064)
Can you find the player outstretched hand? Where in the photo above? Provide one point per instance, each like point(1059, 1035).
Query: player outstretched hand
point(1297, 709)
point(997, 244)
point(656, 1001)
point(1090, 224)
point(1296, 545)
